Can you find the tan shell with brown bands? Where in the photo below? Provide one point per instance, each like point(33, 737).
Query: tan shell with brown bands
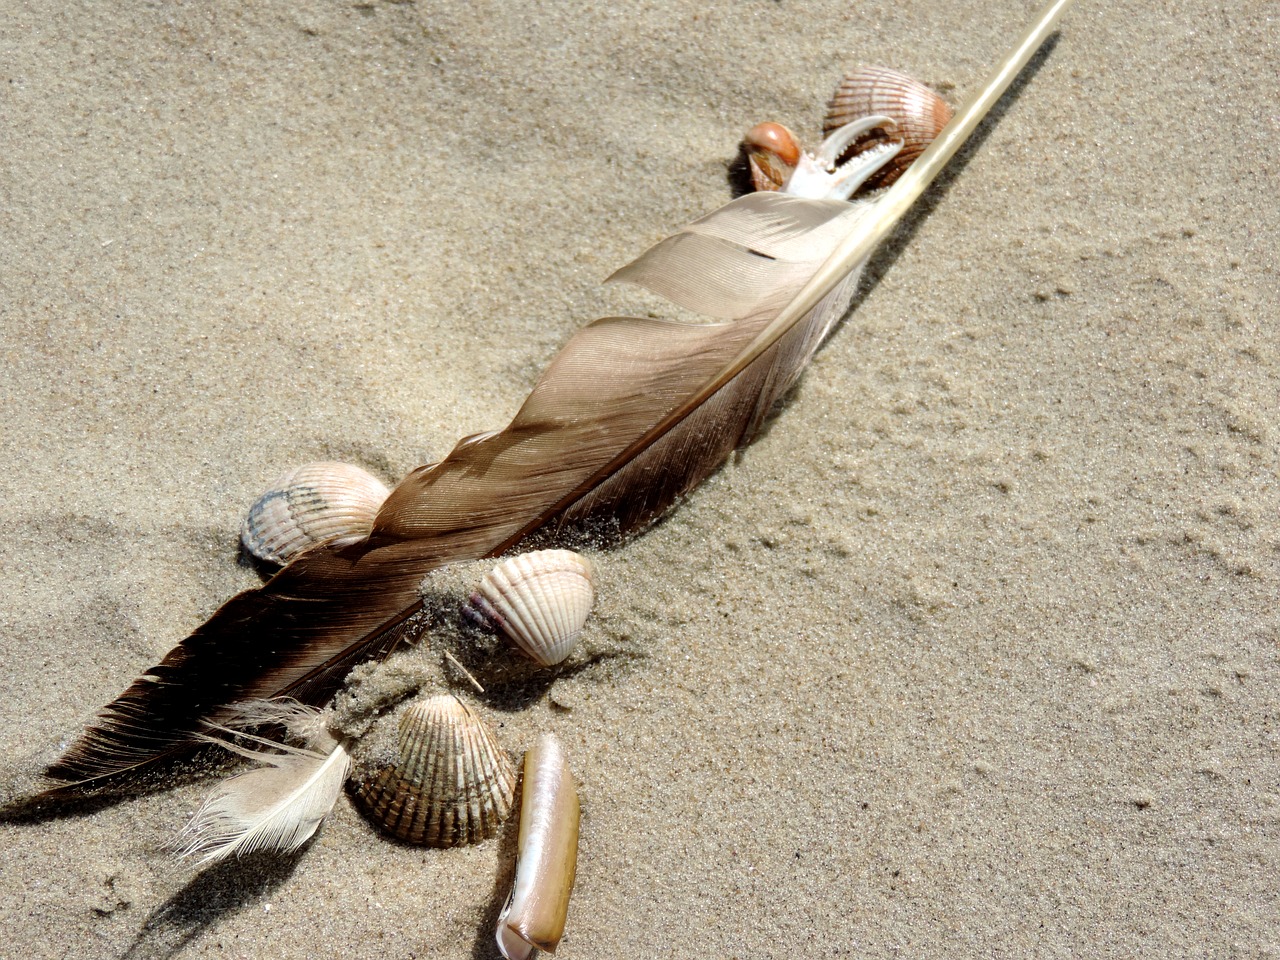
point(920, 113)
point(451, 783)
point(312, 504)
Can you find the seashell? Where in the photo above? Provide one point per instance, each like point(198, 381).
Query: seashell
point(919, 113)
point(772, 152)
point(309, 505)
point(540, 600)
point(546, 855)
point(450, 784)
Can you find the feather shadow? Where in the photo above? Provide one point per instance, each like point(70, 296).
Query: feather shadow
point(882, 261)
point(220, 891)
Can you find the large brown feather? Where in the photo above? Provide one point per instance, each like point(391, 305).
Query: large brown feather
point(589, 444)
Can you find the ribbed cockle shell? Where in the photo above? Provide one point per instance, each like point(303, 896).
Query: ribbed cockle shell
point(450, 782)
point(869, 91)
point(309, 505)
point(540, 600)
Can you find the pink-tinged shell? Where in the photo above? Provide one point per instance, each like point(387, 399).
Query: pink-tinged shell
point(312, 504)
point(450, 783)
point(540, 600)
point(772, 152)
point(920, 113)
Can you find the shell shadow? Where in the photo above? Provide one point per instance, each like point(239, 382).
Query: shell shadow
point(215, 893)
point(504, 876)
point(512, 686)
point(247, 561)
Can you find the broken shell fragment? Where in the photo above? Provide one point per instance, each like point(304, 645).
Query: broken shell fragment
point(546, 854)
point(312, 504)
point(450, 783)
point(920, 115)
point(540, 600)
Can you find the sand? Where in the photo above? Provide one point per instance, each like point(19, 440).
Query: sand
point(972, 654)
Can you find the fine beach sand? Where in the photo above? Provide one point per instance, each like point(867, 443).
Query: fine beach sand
point(973, 653)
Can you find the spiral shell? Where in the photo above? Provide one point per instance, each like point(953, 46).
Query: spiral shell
point(540, 600)
point(450, 783)
point(309, 505)
point(920, 113)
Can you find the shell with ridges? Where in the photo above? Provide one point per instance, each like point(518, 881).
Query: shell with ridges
point(450, 783)
point(540, 600)
point(919, 112)
point(312, 504)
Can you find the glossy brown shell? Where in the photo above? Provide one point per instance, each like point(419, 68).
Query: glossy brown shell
point(450, 782)
point(772, 152)
point(920, 113)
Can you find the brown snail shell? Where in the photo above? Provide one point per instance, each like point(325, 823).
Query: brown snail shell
point(450, 782)
point(312, 504)
point(919, 112)
point(772, 152)
point(540, 600)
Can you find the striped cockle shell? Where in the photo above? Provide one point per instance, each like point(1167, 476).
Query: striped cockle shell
point(540, 600)
point(772, 152)
point(869, 91)
point(312, 504)
point(449, 784)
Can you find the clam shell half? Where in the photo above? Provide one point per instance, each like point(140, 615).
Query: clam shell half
point(540, 600)
point(312, 504)
point(869, 91)
point(450, 783)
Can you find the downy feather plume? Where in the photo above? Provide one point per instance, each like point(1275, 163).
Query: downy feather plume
point(628, 417)
point(278, 806)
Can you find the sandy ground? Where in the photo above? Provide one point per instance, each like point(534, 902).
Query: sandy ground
point(973, 654)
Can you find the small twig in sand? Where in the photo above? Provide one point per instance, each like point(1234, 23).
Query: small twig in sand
point(465, 672)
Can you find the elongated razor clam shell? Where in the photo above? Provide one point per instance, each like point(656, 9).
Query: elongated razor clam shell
point(450, 784)
point(869, 91)
point(540, 600)
point(309, 505)
point(546, 854)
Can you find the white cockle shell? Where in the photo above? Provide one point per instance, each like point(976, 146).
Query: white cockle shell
point(540, 600)
point(449, 784)
point(312, 504)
